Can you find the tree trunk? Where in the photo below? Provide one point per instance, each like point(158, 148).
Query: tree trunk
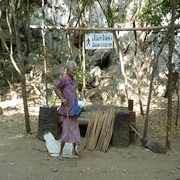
point(15, 11)
point(29, 36)
point(0, 11)
point(44, 52)
point(151, 85)
point(171, 49)
point(177, 92)
point(137, 70)
point(9, 19)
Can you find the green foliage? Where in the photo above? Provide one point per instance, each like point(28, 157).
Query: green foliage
point(37, 46)
point(116, 17)
point(121, 18)
point(24, 6)
point(113, 16)
point(79, 75)
point(24, 13)
point(155, 11)
point(151, 13)
point(54, 100)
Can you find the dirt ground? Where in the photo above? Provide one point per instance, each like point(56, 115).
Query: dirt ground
point(25, 157)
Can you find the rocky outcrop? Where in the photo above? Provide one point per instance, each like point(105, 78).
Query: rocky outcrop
point(104, 78)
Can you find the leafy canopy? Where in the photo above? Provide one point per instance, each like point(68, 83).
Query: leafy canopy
point(155, 11)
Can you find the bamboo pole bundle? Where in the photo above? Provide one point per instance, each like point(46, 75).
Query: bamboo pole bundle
point(89, 128)
point(93, 132)
point(99, 131)
point(105, 131)
point(101, 136)
point(109, 131)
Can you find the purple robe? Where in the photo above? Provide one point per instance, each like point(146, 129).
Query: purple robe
point(70, 127)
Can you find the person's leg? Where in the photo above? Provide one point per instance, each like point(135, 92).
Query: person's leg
point(75, 135)
point(60, 157)
point(74, 150)
point(64, 135)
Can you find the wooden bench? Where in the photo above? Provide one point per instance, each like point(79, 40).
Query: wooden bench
point(83, 119)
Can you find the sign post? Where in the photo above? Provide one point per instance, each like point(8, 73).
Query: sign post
point(99, 41)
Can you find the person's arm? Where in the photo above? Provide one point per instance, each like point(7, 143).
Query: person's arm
point(58, 93)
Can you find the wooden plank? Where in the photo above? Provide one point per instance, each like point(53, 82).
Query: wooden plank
point(82, 121)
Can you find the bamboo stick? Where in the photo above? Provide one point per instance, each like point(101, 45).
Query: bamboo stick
point(100, 135)
point(91, 144)
point(88, 130)
point(101, 138)
point(106, 131)
point(92, 129)
point(102, 29)
point(109, 132)
point(98, 130)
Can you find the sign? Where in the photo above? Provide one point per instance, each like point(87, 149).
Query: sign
point(99, 41)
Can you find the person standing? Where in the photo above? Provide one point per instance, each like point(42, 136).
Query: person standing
point(65, 89)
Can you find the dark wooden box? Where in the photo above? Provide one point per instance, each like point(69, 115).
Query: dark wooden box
point(121, 134)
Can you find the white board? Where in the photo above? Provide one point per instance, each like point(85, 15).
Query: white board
point(99, 41)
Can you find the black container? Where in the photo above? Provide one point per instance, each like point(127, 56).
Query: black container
point(121, 134)
point(48, 122)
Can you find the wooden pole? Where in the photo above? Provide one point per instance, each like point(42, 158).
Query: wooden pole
point(103, 29)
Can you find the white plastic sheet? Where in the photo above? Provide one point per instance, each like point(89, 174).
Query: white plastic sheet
point(53, 146)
